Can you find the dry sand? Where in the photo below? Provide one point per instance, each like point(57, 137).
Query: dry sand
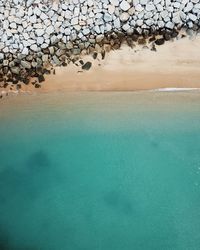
point(174, 65)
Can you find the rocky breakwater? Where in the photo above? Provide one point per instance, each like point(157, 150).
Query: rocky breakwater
point(36, 35)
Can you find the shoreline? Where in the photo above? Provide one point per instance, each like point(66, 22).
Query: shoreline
point(50, 103)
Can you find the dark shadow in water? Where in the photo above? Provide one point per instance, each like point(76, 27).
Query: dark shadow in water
point(154, 144)
point(119, 202)
point(38, 160)
point(25, 182)
point(4, 240)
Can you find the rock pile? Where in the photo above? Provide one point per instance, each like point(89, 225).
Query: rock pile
point(36, 34)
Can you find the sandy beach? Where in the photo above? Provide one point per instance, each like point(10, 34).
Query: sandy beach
point(174, 65)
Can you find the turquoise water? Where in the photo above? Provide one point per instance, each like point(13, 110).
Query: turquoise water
point(106, 171)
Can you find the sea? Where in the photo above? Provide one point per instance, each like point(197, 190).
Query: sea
point(100, 171)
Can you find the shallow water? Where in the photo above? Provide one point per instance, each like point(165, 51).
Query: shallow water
point(107, 171)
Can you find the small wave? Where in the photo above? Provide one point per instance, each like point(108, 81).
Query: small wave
point(174, 89)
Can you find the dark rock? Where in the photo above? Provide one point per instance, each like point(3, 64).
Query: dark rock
point(141, 41)
point(174, 34)
point(103, 53)
point(5, 70)
point(129, 41)
point(160, 41)
point(76, 51)
point(152, 39)
point(34, 82)
point(153, 48)
point(195, 27)
point(167, 36)
point(37, 86)
point(15, 81)
point(46, 71)
point(26, 81)
point(116, 46)
point(81, 62)
point(18, 86)
point(41, 78)
point(87, 66)
point(95, 55)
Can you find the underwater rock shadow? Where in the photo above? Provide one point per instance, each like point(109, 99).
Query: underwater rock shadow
point(4, 240)
point(25, 182)
point(6, 243)
point(37, 160)
point(115, 200)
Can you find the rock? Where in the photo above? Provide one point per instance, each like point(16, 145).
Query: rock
point(50, 30)
point(15, 70)
point(56, 60)
point(13, 25)
point(86, 31)
point(192, 17)
point(1, 56)
point(37, 86)
point(160, 41)
point(34, 47)
point(107, 17)
point(25, 51)
point(143, 2)
point(87, 66)
point(76, 51)
point(188, 7)
point(114, 2)
point(117, 23)
point(45, 58)
point(167, 36)
point(99, 38)
point(29, 3)
point(139, 22)
point(40, 40)
point(124, 5)
point(169, 25)
point(94, 55)
point(150, 7)
point(39, 32)
point(111, 9)
point(41, 78)
point(43, 16)
point(124, 17)
point(139, 8)
point(69, 45)
point(32, 19)
point(25, 64)
point(74, 21)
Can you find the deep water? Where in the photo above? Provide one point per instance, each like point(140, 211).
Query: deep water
point(109, 171)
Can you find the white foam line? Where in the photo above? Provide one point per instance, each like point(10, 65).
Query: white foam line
point(174, 89)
